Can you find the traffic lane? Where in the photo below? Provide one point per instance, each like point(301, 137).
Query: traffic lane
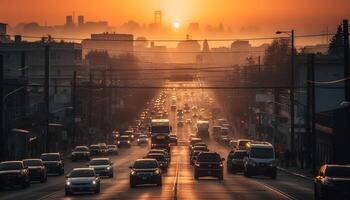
point(40, 189)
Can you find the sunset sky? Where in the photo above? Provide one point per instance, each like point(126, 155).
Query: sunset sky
point(263, 16)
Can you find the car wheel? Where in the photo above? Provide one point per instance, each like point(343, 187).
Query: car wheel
point(68, 193)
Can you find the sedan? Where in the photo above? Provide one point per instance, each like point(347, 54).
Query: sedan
point(37, 170)
point(145, 171)
point(80, 152)
point(161, 159)
point(112, 150)
point(102, 166)
point(14, 173)
point(82, 180)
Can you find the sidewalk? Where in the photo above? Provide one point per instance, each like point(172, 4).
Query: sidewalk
point(302, 173)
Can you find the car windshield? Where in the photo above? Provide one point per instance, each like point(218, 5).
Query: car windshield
point(11, 166)
point(81, 149)
point(239, 155)
point(157, 157)
point(82, 173)
point(94, 147)
point(242, 143)
point(195, 141)
point(124, 138)
point(112, 146)
point(28, 163)
point(160, 129)
point(205, 157)
point(200, 148)
point(50, 157)
point(338, 171)
point(99, 162)
point(145, 164)
point(262, 153)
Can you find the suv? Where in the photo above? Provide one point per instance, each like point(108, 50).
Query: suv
point(53, 162)
point(209, 164)
point(14, 173)
point(145, 171)
point(260, 160)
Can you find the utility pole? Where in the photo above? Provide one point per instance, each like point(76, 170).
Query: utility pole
point(104, 104)
point(313, 111)
point(292, 100)
point(346, 59)
point(308, 107)
point(3, 143)
point(24, 91)
point(47, 96)
point(74, 103)
point(90, 107)
point(111, 97)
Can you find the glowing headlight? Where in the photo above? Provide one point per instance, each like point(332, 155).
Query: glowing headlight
point(128, 142)
point(138, 140)
point(157, 171)
point(94, 182)
point(108, 168)
point(197, 165)
point(67, 182)
point(132, 172)
point(118, 142)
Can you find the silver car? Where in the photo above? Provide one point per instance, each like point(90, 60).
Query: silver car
point(102, 166)
point(112, 149)
point(82, 180)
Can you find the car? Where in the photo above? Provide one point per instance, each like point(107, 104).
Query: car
point(161, 159)
point(235, 162)
point(124, 140)
point(173, 139)
point(188, 121)
point(103, 149)
point(112, 149)
point(233, 144)
point(192, 135)
point(145, 171)
point(14, 173)
point(142, 140)
point(129, 133)
point(173, 107)
point(260, 160)
point(194, 157)
point(332, 182)
point(37, 170)
point(102, 167)
point(242, 144)
point(180, 123)
point(162, 151)
point(200, 147)
point(80, 153)
point(209, 164)
point(193, 141)
point(82, 180)
point(53, 162)
point(95, 150)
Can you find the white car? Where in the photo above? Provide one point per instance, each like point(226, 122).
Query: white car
point(143, 139)
point(112, 149)
point(82, 180)
point(102, 166)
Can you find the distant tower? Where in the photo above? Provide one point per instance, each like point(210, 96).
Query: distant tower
point(158, 17)
point(3, 32)
point(80, 20)
point(205, 46)
point(69, 20)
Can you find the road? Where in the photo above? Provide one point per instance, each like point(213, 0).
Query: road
point(178, 182)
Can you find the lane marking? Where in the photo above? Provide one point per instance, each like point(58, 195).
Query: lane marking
point(285, 195)
point(176, 178)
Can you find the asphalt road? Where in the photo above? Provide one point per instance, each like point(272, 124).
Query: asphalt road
point(178, 182)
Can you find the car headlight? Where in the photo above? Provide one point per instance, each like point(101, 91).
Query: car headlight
point(68, 183)
point(133, 172)
point(94, 182)
point(157, 171)
point(138, 140)
point(118, 142)
point(128, 142)
point(160, 164)
point(197, 164)
point(108, 168)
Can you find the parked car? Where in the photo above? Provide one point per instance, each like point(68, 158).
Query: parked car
point(235, 162)
point(53, 162)
point(14, 173)
point(82, 180)
point(102, 167)
point(260, 160)
point(209, 164)
point(161, 159)
point(145, 171)
point(332, 182)
point(37, 170)
point(80, 153)
point(112, 149)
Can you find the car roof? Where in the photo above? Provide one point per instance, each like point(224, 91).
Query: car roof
point(50, 154)
point(335, 165)
point(155, 154)
point(212, 153)
point(32, 159)
point(12, 161)
point(82, 168)
point(261, 146)
point(145, 159)
point(100, 159)
point(81, 146)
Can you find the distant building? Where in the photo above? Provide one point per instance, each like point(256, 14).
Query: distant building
point(240, 51)
point(115, 44)
point(3, 33)
point(193, 28)
point(69, 21)
point(80, 21)
point(187, 51)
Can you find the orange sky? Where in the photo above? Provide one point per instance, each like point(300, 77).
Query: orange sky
point(267, 15)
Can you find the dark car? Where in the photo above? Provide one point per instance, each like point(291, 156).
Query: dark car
point(162, 151)
point(173, 139)
point(209, 164)
point(194, 141)
point(53, 162)
point(95, 150)
point(80, 153)
point(198, 148)
point(332, 182)
point(194, 157)
point(124, 140)
point(102, 167)
point(37, 170)
point(14, 173)
point(145, 171)
point(161, 159)
point(235, 161)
